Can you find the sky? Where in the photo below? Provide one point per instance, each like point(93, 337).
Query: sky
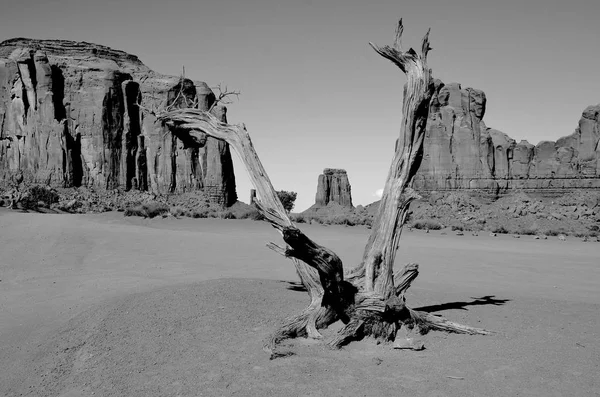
point(314, 95)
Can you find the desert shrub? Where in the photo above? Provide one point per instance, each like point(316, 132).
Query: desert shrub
point(155, 209)
point(251, 213)
point(426, 225)
point(226, 214)
point(586, 234)
point(147, 210)
point(527, 231)
point(365, 220)
point(555, 232)
point(137, 210)
point(338, 220)
point(313, 219)
point(202, 213)
point(348, 219)
point(39, 196)
point(179, 211)
point(457, 228)
point(287, 199)
point(298, 218)
point(499, 230)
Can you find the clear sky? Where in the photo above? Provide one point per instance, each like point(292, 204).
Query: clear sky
point(315, 95)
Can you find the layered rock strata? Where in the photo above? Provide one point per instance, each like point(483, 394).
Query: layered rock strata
point(69, 117)
point(461, 152)
point(333, 187)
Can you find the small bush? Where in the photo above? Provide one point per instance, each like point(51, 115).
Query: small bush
point(298, 218)
point(148, 210)
point(203, 213)
point(179, 211)
point(456, 228)
point(586, 234)
point(554, 232)
point(227, 214)
point(134, 211)
point(500, 230)
point(314, 220)
point(252, 214)
point(528, 231)
point(341, 220)
point(43, 194)
point(39, 196)
point(426, 225)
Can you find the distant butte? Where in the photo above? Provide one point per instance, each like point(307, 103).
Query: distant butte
point(333, 187)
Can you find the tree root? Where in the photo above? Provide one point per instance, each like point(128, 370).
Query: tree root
point(305, 324)
point(370, 316)
point(351, 332)
point(426, 322)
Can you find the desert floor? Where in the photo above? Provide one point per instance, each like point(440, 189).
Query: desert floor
point(104, 305)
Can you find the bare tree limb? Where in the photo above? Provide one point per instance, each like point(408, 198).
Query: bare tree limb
point(383, 243)
point(224, 96)
point(190, 125)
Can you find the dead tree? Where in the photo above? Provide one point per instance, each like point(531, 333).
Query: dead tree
point(369, 299)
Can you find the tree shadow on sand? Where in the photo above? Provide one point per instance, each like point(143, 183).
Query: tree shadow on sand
point(484, 300)
point(460, 305)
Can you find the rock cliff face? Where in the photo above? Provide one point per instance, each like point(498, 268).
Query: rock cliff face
point(333, 186)
point(462, 153)
point(69, 117)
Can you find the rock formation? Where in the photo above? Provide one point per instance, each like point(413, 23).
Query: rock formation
point(69, 117)
point(333, 186)
point(462, 153)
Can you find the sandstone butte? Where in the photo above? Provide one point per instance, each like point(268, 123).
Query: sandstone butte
point(68, 118)
point(333, 187)
point(461, 152)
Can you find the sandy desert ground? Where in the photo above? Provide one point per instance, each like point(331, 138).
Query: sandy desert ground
point(102, 305)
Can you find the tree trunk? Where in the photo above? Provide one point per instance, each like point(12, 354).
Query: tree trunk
point(369, 300)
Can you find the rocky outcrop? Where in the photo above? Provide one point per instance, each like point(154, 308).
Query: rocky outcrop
point(333, 187)
point(69, 117)
point(461, 152)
